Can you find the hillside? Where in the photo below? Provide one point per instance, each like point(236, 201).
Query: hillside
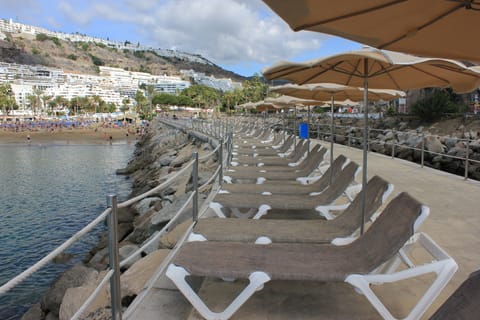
point(82, 57)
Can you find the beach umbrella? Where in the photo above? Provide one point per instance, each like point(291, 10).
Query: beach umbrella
point(422, 27)
point(332, 91)
point(378, 69)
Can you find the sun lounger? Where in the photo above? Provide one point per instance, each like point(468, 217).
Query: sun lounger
point(297, 155)
point(313, 161)
point(345, 224)
point(289, 144)
point(296, 187)
point(360, 263)
point(464, 303)
point(257, 205)
point(256, 170)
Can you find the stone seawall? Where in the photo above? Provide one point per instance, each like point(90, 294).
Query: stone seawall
point(159, 154)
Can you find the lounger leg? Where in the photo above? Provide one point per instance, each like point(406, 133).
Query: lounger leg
point(178, 274)
point(444, 270)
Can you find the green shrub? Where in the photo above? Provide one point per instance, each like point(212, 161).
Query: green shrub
point(56, 41)
point(72, 57)
point(97, 61)
point(139, 54)
point(41, 37)
point(440, 102)
point(35, 51)
point(101, 45)
point(85, 46)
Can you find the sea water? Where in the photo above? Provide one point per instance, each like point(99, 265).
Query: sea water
point(47, 194)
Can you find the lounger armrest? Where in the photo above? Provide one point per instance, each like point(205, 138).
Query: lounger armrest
point(324, 210)
point(308, 180)
point(343, 241)
point(443, 266)
point(352, 191)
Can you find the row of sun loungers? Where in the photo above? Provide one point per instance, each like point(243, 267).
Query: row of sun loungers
point(325, 247)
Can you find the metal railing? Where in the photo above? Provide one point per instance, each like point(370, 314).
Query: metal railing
point(352, 140)
point(216, 130)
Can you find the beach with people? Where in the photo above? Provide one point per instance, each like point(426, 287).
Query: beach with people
point(57, 134)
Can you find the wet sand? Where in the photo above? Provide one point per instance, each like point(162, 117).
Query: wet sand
point(68, 136)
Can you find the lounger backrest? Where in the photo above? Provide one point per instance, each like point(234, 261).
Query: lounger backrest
point(350, 217)
point(389, 233)
point(464, 303)
point(313, 160)
point(339, 185)
point(337, 165)
point(301, 149)
point(288, 143)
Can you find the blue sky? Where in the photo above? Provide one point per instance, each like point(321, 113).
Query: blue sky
point(240, 35)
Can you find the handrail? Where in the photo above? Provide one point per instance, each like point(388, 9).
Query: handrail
point(49, 257)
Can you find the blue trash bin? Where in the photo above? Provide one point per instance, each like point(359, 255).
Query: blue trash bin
point(303, 130)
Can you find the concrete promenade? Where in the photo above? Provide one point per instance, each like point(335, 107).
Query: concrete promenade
point(454, 224)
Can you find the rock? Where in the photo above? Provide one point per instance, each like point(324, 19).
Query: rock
point(75, 297)
point(433, 144)
point(34, 313)
point(144, 205)
point(143, 228)
point(126, 250)
point(389, 135)
point(63, 257)
point(183, 156)
point(165, 160)
point(168, 211)
point(51, 316)
point(100, 314)
point(450, 142)
point(133, 280)
point(125, 215)
point(73, 277)
point(170, 239)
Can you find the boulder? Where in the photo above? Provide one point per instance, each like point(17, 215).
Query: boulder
point(134, 279)
point(170, 239)
point(433, 144)
point(168, 211)
point(126, 250)
point(34, 313)
point(144, 205)
point(184, 155)
point(73, 277)
point(450, 142)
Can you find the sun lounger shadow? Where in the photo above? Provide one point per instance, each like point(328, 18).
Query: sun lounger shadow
point(371, 259)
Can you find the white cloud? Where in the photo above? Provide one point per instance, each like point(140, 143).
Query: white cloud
point(225, 31)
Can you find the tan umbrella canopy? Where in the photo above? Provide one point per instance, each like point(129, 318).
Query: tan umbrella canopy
point(423, 27)
point(385, 70)
point(380, 69)
point(325, 91)
point(287, 101)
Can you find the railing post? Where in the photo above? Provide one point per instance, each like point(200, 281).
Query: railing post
point(350, 139)
point(220, 160)
point(393, 144)
point(423, 148)
point(318, 131)
point(115, 291)
point(466, 159)
point(195, 187)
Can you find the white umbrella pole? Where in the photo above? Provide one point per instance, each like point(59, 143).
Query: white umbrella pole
point(308, 128)
point(365, 145)
point(295, 128)
point(331, 139)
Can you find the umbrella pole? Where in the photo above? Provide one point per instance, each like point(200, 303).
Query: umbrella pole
point(308, 128)
point(295, 128)
point(365, 145)
point(331, 139)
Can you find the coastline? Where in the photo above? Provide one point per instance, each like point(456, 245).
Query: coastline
point(68, 136)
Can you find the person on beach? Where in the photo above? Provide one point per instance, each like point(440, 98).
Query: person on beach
point(111, 140)
point(29, 139)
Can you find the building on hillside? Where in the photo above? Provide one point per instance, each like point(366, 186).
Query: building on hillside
point(224, 84)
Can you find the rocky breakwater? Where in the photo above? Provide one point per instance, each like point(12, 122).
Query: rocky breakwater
point(158, 155)
point(394, 135)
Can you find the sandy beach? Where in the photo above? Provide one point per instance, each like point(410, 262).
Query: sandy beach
point(69, 136)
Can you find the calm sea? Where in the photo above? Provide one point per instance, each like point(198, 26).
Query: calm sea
point(47, 194)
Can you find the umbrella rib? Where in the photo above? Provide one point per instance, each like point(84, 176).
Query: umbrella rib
point(285, 72)
point(320, 73)
point(345, 16)
point(420, 28)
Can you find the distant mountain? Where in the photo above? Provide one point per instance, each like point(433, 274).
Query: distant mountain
point(85, 57)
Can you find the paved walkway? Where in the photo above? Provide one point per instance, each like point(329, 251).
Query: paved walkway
point(454, 223)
